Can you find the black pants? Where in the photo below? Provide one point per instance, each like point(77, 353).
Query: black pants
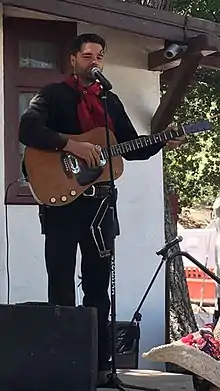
point(65, 228)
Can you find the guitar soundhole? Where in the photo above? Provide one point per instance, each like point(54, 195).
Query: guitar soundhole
point(76, 167)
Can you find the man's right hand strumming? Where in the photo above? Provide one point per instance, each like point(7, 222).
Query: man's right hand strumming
point(84, 150)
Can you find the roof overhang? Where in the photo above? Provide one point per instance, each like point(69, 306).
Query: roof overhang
point(125, 16)
point(136, 19)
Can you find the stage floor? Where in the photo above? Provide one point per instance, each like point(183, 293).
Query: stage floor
point(155, 379)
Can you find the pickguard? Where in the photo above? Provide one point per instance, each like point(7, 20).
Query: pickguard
point(87, 174)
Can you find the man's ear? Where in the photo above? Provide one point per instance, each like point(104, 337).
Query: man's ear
point(72, 60)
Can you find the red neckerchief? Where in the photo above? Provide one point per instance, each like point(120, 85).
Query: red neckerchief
point(90, 107)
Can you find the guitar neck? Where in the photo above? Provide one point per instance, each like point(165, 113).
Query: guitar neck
point(142, 142)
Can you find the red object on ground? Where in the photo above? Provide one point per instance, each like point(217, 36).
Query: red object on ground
point(200, 285)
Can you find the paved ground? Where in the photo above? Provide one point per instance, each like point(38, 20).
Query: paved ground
point(155, 379)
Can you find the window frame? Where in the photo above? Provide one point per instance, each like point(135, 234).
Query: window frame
point(18, 80)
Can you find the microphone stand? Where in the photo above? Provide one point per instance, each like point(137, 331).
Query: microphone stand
point(199, 384)
point(127, 336)
point(113, 380)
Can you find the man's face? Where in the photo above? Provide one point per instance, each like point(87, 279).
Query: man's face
point(91, 55)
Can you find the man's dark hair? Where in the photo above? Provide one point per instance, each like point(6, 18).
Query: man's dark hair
point(85, 38)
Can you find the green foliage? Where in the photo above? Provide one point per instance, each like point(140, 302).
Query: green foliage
point(194, 170)
point(205, 9)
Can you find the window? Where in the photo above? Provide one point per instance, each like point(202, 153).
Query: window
point(34, 55)
point(24, 99)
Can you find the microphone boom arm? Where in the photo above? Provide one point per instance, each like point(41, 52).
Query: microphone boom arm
point(164, 253)
point(197, 263)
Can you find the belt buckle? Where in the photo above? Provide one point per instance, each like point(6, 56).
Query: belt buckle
point(92, 194)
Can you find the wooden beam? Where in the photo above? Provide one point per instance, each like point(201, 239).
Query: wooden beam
point(211, 61)
point(157, 60)
point(125, 16)
point(175, 91)
point(167, 76)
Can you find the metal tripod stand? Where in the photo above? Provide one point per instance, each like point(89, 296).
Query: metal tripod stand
point(127, 335)
point(199, 384)
point(109, 203)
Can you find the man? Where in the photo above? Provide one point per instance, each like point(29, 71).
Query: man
point(72, 107)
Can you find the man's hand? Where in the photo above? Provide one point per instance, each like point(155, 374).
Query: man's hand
point(173, 144)
point(87, 151)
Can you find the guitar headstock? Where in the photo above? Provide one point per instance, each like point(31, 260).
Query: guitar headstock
point(196, 127)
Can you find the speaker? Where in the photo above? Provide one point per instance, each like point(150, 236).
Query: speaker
point(48, 348)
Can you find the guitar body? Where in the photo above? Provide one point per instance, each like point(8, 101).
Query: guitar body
point(58, 178)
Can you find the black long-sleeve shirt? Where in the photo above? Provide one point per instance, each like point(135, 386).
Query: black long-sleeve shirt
point(52, 114)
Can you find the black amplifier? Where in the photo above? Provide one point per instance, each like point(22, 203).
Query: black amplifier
point(46, 348)
point(127, 344)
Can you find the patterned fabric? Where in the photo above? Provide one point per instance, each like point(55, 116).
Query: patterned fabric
point(204, 341)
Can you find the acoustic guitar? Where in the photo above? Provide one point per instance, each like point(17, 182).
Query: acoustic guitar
point(58, 178)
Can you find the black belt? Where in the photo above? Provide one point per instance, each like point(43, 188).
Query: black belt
point(98, 191)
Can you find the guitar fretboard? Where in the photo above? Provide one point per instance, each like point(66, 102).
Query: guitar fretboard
point(142, 142)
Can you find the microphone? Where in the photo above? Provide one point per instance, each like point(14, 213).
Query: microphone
point(97, 75)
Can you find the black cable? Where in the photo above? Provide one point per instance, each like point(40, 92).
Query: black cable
point(7, 237)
